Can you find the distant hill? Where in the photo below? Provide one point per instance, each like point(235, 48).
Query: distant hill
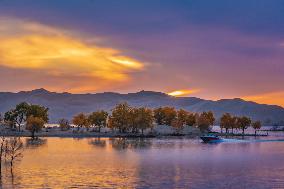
point(65, 105)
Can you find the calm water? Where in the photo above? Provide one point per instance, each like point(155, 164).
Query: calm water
point(148, 163)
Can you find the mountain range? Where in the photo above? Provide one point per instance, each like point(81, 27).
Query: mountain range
point(65, 105)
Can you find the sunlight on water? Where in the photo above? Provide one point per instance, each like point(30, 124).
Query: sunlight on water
point(144, 163)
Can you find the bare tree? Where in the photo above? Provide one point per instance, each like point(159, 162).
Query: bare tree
point(3, 142)
point(14, 150)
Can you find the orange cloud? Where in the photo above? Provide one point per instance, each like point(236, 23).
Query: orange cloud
point(33, 46)
point(183, 92)
point(267, 98)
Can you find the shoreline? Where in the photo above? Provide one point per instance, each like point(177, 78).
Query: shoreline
point(96, 135)
point(64, 134)
point(159, 131)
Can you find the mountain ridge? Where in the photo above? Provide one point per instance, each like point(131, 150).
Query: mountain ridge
point(65, 105)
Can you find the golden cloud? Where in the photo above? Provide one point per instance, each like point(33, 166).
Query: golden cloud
point(33, 46)
point(183, 92)
point(267, 98)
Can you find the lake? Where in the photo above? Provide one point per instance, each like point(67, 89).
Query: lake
point(149, 163)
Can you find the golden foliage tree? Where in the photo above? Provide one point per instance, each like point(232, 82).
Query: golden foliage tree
point(165, 115)
point(243, 123)
point(159, 115)
point(22, 111)
point(190, 119)
point(182, 116)
point(120, 118)
point(34, 124)
point(126, 118)
point(38, 111)
point(226, 122)
point(170, 115)
point(143, 118)
point(81, 120)
point(256, 126)
point(205, 120)
point(177, 124)
point(98, 119)
point(180, 120)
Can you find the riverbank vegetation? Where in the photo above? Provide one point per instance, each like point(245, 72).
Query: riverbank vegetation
point(30, 115)
point(229, 122)
point(125, 119)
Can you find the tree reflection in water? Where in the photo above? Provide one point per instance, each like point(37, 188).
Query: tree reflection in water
point(121, 143)
point(12, 148)
point(10, 179)
point(34, 143)
point(126, 143)
point(98, 142)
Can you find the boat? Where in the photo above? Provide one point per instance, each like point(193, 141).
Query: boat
point(210, 138)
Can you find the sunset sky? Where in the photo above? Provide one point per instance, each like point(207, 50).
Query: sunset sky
point(209, 49)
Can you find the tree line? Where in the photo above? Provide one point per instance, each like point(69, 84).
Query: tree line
point(31, 115)
point(126, 119)
point(230, 122)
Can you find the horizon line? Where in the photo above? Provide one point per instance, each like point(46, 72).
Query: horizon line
point(121, 93)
